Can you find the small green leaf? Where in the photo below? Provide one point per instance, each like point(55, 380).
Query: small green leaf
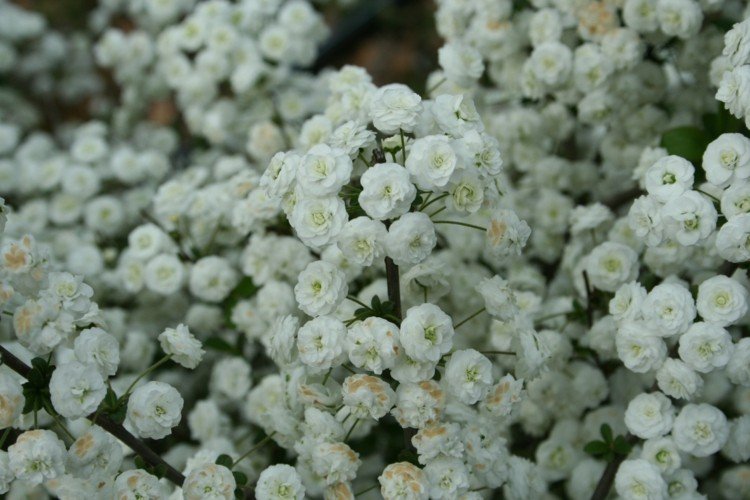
point(688, 142)
point(240, 477)
point(118, 415)
point(139, 462)
point(606, 432)
point(621, 446)
point(225, 460)
point(160, 471)
point(596, 448)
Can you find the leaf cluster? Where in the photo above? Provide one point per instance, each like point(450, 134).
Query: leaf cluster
point(609, 446)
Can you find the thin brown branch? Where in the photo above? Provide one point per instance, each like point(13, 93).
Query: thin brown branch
point(394, 286)
point(608, 476)
point(117, 430)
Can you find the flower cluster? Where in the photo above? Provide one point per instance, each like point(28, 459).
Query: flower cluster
point(224, 273)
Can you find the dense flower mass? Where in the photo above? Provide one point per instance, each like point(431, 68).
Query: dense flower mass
point(230, 270)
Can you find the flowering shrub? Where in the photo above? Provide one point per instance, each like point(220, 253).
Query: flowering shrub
point(227, 275)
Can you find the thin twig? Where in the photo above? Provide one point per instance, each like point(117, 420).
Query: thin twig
point(394, 286)
point(610, 471)
point(103, 421)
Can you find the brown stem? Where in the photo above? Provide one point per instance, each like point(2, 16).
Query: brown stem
point(608, 476)
point(107, 424)
point(394, 287)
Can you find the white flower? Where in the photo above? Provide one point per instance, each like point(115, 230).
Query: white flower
point(279, 482)
point(669, 309)
point(230, 378)
point(146, 241)
point(320, 342)
point(95, 453)
point(466, 190)
point(644, 218)
point(318, 221)
point(431, 162)
point(72, 293)
point(551, 62)
point(37, 456)
point(154, 408)
point(663, 453)
point(721, 300)
point(447, 477)
point(506, 234)
point(323, 171)
point(649, 415)
point(700, 430)
point(97, 347)
point(280, 342)
point(669, 177)
point(320, 288)
point(705, 346)
point(76, 389)
point(733, 239)
point(335, 462)
point(639, 479)
point(504, 398)
point(676, 379)
point(627, 302)
point(738, 368)
point(468, 375)
point(212, 278)
point(726, 159)
point(362, 240)
point(438, 439)
point(426, 333)
point(137, 483)
point(367, 396)
point(461, 63)
point(499, 298)
point(418, 404)
point(279, 176)
point(164, 274)
point(387, 191)
point(373, 344)
point(184, 348)
point(735, 200)
point(12, 399)
point(737, 43)
point(610, 265)
point(401, 477)
point(410, 239)
point(734, 90)
point(209, 481)
point(395, 107)
point(689, 217)
point(680, 18)
point(639, 348)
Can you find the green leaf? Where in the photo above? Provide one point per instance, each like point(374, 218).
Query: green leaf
point(139, 462)
point(225, 460)
point(40, 364)
point(160, 471)
point(239, 477)
point(621, 446)
point(606, 432)
point(118, 415)
point(688, 142)
point(216, 343)
point(239, 494)
point(596, 448)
